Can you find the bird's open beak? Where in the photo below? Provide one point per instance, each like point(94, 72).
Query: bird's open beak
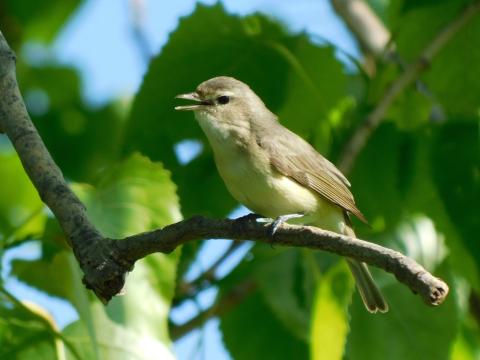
point(190, 96)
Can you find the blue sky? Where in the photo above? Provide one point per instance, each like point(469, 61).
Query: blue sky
point(98, 41)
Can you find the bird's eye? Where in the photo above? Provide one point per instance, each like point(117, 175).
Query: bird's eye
point(224, 99)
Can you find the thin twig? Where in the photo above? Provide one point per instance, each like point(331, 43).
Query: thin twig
point(224, 304)
point(362, 21)
point(186, 290)
point(360, 137)
point(137, 22)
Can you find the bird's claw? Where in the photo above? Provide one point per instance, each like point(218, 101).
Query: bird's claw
point(275, 223)
point(280, 220)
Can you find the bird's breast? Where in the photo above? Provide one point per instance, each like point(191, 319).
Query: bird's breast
point(250, 178)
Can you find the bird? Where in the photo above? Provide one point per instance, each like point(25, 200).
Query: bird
point(275, 172)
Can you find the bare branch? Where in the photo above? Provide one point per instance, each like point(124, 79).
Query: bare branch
point(406, 270)
point(411, 73)
point(376, 43)
point(369, 30)
point(137, 8)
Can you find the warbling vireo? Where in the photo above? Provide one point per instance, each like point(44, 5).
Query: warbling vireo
point(273, 171)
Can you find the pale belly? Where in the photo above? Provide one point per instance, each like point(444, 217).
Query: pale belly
point(268, 193)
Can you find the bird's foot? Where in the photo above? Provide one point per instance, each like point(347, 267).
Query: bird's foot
point(275, 223)
point(280, 220)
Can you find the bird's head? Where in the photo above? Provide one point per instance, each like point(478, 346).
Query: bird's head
point(223, 99)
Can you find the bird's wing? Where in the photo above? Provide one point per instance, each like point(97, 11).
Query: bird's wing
point(293, 157)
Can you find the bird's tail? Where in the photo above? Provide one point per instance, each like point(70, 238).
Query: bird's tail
point(371, 295)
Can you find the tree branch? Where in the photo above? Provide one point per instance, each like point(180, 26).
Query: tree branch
point(360, 137)
point(104, 273)
point(137, 8)
point(224, 304)
point(376, 43)
point(105, 262)
point(368, 29)
point(406, 270)
point(187, 290)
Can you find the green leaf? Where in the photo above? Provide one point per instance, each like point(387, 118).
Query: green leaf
point(446, 77)
point(329, 316)
point(423, 197)
point(456, 169)
point(47, 276)
point(279, 276)
point(251, 331)
point(281, 324)
point(378, 174)
point(133, 196)
point(21, 212)
point(208, 194)
point(25, 332)
point(311, 93)
point(282, 69)
point(411, 110)
point(40, 20)
point(115, 341)
point(416, 23)
point(467, 343)
point(82, 140)
point(410, 330)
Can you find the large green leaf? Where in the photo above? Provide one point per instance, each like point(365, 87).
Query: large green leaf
point(281, 324)
point(417, 24)
point(47, 276)
point(408, 17)
point(251, 331)
point(295, 78)
point(456, 88)
point(21, 210)
point(413, 190)
point(395, 181)
point(329, 316)
point(37, 20)
point(287, 280)
point(410, 330)
point(133, 196)
point(115, 341)
point(81, 139)
point(310, 93)
point(467, 343)
point(456, 169)
point(378, 175)
point(26, 331)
